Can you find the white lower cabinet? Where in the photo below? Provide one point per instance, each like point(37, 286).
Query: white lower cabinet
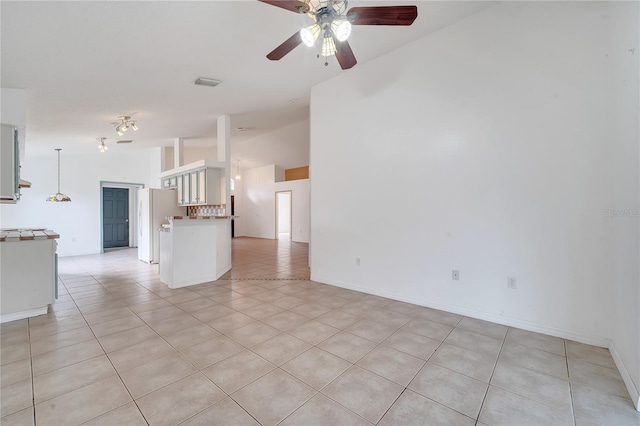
point(188, 253)
point(28, 278)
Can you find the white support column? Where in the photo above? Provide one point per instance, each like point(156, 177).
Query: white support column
point(224, 154)
point(178, 152)
point(157, 165)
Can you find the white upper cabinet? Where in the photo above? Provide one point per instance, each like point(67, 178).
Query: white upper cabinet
point(9, 165)
point(198, 184)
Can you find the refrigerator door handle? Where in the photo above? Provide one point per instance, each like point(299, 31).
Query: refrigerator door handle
point(140, 218)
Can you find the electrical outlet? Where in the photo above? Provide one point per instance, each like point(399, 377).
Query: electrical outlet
point(455, 275)
point(512, 282)
point(357, 261)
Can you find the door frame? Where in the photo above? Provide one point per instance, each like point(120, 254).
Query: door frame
point(290, 192)
point(133, 205)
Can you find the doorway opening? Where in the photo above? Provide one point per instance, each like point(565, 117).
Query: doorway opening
point(283, 215)
point(233, 213)
point(118, 218)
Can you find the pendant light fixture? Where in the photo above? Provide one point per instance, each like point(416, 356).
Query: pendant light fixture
point(238, 176)
point(58, 197)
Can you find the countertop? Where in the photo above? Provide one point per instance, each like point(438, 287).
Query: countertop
point(172, 218)
point(27, 234)
point(191, 220)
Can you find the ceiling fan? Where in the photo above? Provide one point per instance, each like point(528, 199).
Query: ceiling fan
point(332, 24)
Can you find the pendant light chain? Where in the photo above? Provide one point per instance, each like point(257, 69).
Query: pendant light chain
point(58, 149)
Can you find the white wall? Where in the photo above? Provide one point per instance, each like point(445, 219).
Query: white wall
point(77, 222)
point(287, 147)
point(257, 206)
point(191, 155)
point(13, 106)
point(624, 143)
point(485, 147)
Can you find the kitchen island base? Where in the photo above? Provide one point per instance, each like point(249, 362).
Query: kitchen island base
point(28, 273)
point(192, 251)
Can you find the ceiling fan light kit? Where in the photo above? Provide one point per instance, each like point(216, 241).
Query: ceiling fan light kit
point(334, 22)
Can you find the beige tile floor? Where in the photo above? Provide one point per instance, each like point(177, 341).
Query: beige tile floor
point(267, 346)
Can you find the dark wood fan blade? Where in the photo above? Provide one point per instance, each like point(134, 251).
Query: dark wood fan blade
point(292, 5)
point(344, 54)
point(383, 15)
point(286, 47)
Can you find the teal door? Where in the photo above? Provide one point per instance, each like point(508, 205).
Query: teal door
point(115, 217)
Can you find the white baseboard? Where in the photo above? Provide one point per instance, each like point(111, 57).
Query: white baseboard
point(499, 319)
point(224, 271)
point(24, 314)
point(628, 381)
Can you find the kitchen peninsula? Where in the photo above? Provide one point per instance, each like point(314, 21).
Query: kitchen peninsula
point(193, 250)
point(28, 272)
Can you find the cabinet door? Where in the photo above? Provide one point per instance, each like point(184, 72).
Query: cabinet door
point(202, 186)
point(186, 189)
point(166, 183)
point(9, 161)
point(180, 189)
point(193, 191)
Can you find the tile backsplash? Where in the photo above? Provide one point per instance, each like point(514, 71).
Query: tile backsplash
point(209, 210)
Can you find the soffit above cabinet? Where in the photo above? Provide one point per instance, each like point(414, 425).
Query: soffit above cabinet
point(193, 166)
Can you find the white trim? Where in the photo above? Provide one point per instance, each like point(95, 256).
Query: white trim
point(133, 210)
point(193, 166)
point(224, 271)
point(626, 377)
point(499, 319)
point(24, 314)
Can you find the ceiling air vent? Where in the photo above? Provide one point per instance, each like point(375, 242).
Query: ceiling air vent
point(202, 81)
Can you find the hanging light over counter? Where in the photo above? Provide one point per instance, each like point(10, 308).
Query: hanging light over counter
point(58, 197)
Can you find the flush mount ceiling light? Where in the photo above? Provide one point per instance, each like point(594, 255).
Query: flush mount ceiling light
point(203, 81)
point(102, 147)
point(58, 197)
point(125, 124)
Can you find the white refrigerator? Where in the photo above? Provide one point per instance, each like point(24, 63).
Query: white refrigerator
point(154, 205)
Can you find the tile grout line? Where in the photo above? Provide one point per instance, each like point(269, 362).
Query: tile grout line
point(566, 358)
point(492, 373)
point(33, 390)
point(378, 345)
point(112, 366)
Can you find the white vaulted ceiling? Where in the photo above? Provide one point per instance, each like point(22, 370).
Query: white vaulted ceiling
point(84, 63)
